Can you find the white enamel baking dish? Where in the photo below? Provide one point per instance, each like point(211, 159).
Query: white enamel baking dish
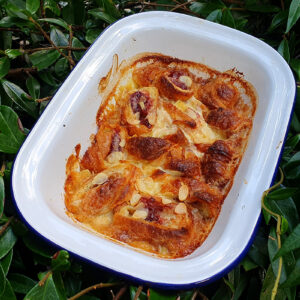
point(39, 170)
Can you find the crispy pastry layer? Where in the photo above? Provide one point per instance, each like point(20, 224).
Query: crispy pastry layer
point(171, 135)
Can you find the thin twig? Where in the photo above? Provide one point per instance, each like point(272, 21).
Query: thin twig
point(237, 8)
point(120, 293)
point(138, 292)
point(42, 8)
point(43, 99)
point(282, 4)
point(38, 26)
point(202, 295)
point(52, 48)
point(2, 169)
point(17, 71)
point(194, 295)
point(93, 287)
point(181, 5)
point(5, 226)
point(42, 282)
point(70, 44)
point(278, 230)
point(10, 29)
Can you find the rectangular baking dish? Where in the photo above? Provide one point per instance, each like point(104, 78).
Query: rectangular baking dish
point(39, 169)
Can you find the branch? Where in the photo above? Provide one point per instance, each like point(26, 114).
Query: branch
point(37, 25)
point(138, 292)
point(70, 45)
point(93, 287)
point(17, 71)
point(120, 293)
point(43, 99)
point(181, 5)
point(51, 48)
point(10, 29)
point(5, 226)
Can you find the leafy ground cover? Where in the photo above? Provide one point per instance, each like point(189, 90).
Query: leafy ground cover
point(40, 43)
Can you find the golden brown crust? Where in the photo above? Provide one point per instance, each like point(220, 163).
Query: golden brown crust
point(171, 135)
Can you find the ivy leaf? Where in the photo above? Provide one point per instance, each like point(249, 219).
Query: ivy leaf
point(32, 5)
point(12, 53)
point(227, 18)
point(33, 87)
point(11, 138)
point(52, 5)
point(61, 67)
point(58, 22)
point(291, 243)
point(294, 277)
point(6, 261)
point(92, 34)
point(7, 241)
point(215, 16)
point(2, 281)
point(4, 66)
point(284, 50)
point(58, 38)
point(76, 43)
point(268, 285)
point(294, 14)
point(2, 193)
point(44, 58)
point(295, 64)
point(98, 14)
point(278, 20)
point(16, 94)
point(110, 8)
point(8, 293)
point(44, 292)
point(60, 261)
point(282, 193)
point(21, 283)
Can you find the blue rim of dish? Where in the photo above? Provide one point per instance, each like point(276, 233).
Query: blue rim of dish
point(165, 286)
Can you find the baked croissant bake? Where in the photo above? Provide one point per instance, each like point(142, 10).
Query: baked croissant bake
point(171, 135)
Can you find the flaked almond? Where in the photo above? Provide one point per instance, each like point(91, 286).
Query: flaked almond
point(114, 157)
point(100, 178)
point(166, 200)
point(135, 199)
point(151, 117)
point(180, 209)
point(183, 192)
point(122, 143)
point(142, 105)
point(186, 80)
point(140, 214)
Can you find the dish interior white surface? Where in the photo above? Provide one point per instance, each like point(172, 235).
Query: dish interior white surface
point(39, 170)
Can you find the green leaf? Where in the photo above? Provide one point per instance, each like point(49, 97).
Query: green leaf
point(294, 14)
point(2, 281)
point(11, 137)
point(74, 12)
point(278, 20)
point(284, 225)
point(240, 287)
point(45, 292)
point(62, 67)
point(43, 59)
point(6, 261)
point(248, 264)
point(32, 5)
point(295, 64)
point(60, 261)
point(59, 284)
point(38, 246)
point(284, 50)
point(33, 87)
point(205, 9)
point(227, 18)
point(98, 14)
point(155, 295)
point(21, 283)
point(263, 8)
point(7, 241)
point(282, 193)
point(48, 78)
point(291, 143)
point(92, 34)
point(4, 66)
point(291, 243)
point(8, 293)
point(52, 5)
point(268, 285)
point(76, 43)
point(2, 191)
point(12, 53)
point(132, 290)
point(72, 284)
point(58, 22)
point(215, 16)
point(58, 38)
point(294, 277)
point(258, 251)
point(16, 94)
point(223, 293)
point(110, 8)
